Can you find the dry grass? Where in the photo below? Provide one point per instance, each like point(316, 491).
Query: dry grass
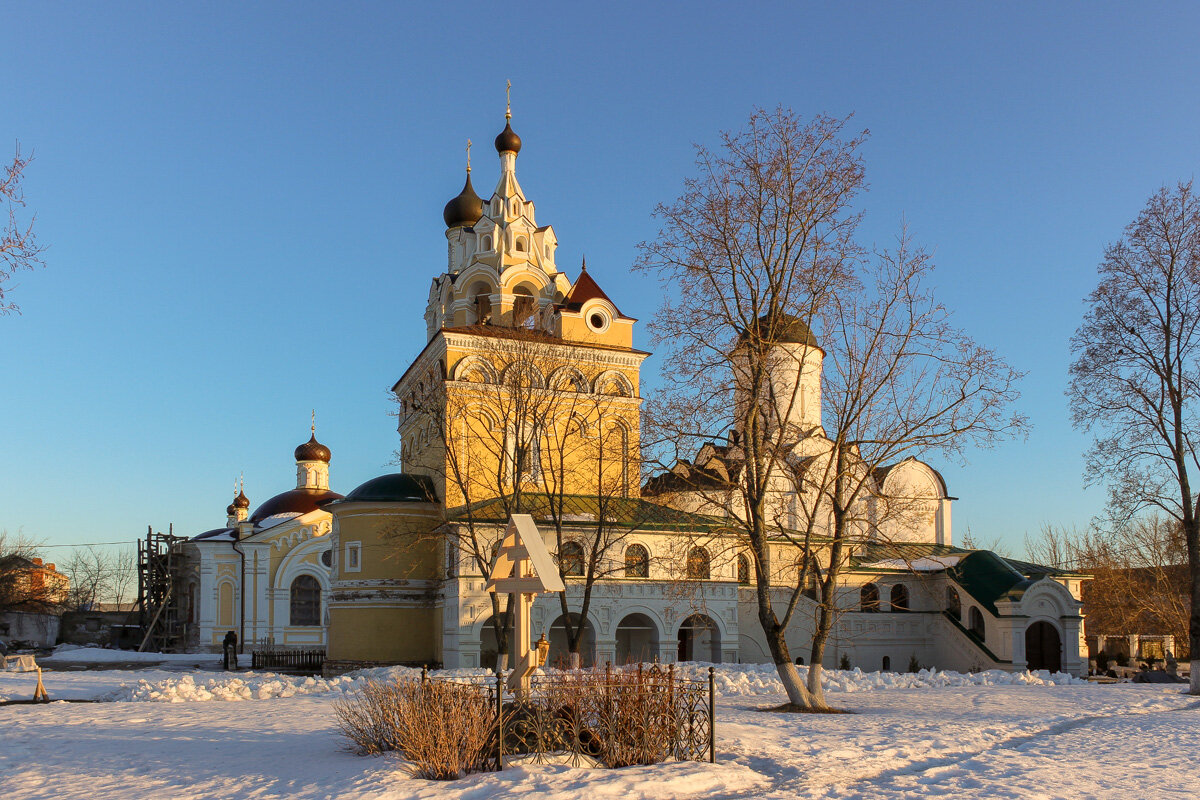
point(444, 729)
point(620, 718)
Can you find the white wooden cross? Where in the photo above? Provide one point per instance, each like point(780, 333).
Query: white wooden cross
point(523, 569)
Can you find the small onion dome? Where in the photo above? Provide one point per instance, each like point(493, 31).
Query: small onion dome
point(508, 141)
point(464, 210)
point(231, 510)
point(241, 501)
point(783, 329)
point(312, 450)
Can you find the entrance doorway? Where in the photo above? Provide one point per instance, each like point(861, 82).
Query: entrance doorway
point(699, 640)
point(1043, 647)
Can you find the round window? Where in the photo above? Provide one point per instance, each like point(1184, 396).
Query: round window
point(598, 320)
point(327, 558)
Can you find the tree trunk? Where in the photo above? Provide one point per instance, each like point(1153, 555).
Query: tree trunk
point(816, 666)
point(788, 674)
point(1191, 535)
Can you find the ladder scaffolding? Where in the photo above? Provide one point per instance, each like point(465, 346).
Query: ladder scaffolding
point(157, 605)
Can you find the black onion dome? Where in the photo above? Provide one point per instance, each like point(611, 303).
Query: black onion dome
point(312, 450)
point(230, 509)
point(783, 329)
point(296, 502)
point(466, 209)
point(508, 141)
point(241, 501)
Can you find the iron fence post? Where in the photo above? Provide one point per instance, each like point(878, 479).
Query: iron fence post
point(712, 716)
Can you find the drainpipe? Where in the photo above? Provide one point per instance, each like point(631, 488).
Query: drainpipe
point(237, 534)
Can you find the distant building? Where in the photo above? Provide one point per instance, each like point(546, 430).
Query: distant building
point(32, 594)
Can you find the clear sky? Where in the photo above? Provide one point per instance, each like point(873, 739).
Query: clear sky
point(243, 207)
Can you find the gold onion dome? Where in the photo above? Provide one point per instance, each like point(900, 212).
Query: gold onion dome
point(241, 501)
point(464, 210)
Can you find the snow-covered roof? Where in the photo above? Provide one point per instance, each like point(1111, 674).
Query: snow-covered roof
point(923, 564)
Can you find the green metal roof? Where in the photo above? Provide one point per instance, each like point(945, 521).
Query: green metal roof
point(628, 512)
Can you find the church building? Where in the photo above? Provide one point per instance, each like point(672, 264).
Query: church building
point(526, 398)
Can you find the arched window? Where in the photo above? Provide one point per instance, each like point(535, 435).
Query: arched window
point(743, 570)
point(547, 249)
point(953, 603)
point(571, 558)
point(899, 597)
point(487, 244)
point(637, 562)
point(977, 624)
point(523, 308)
point(869, 597)
point(306, 601)
point(811, 589)
point(887, 663)
point(698, 564)
point(521, 244)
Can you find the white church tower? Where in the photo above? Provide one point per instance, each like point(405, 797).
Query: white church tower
point(790, 387)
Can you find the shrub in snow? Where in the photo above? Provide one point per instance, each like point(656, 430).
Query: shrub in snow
point(445, 729)
point(618, 717)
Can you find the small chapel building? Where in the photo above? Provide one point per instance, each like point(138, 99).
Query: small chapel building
point(526, 398)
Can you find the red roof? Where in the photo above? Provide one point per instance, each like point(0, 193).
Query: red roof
point(585, 288)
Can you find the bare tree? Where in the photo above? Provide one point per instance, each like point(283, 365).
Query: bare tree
point(757, 256)
point(100, 576)
point(19, 249)
point(1136, 375)
point(521, 431)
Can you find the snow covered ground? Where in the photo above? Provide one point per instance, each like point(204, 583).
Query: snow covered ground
point(931, 734)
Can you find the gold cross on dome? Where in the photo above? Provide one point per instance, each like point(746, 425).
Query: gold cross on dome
point(508, 100)
point(468, 155)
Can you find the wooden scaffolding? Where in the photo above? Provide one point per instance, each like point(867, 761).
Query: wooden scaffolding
point(159, 566)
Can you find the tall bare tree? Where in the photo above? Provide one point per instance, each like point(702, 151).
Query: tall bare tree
point(1135, 381)
point(757, 256)
point(19, 249)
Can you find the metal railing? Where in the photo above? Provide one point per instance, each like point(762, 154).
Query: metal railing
point(288, 660)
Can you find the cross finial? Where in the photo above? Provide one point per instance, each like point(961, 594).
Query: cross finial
point(314, 422)
point(508, 100)
point(468, 155)
point(584, 267)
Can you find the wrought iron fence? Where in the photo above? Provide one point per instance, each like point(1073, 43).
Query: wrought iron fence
point(615, 717)
point(288, 660)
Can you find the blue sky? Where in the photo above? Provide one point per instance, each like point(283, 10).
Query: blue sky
point(243, 207)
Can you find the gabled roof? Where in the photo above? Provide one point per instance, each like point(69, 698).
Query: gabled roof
point(632, 513)
point(585, 288)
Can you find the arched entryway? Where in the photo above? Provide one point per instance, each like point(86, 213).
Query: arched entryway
point(637, 639)
point(560, 654)
point(1043, 647)
point(699, 639)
